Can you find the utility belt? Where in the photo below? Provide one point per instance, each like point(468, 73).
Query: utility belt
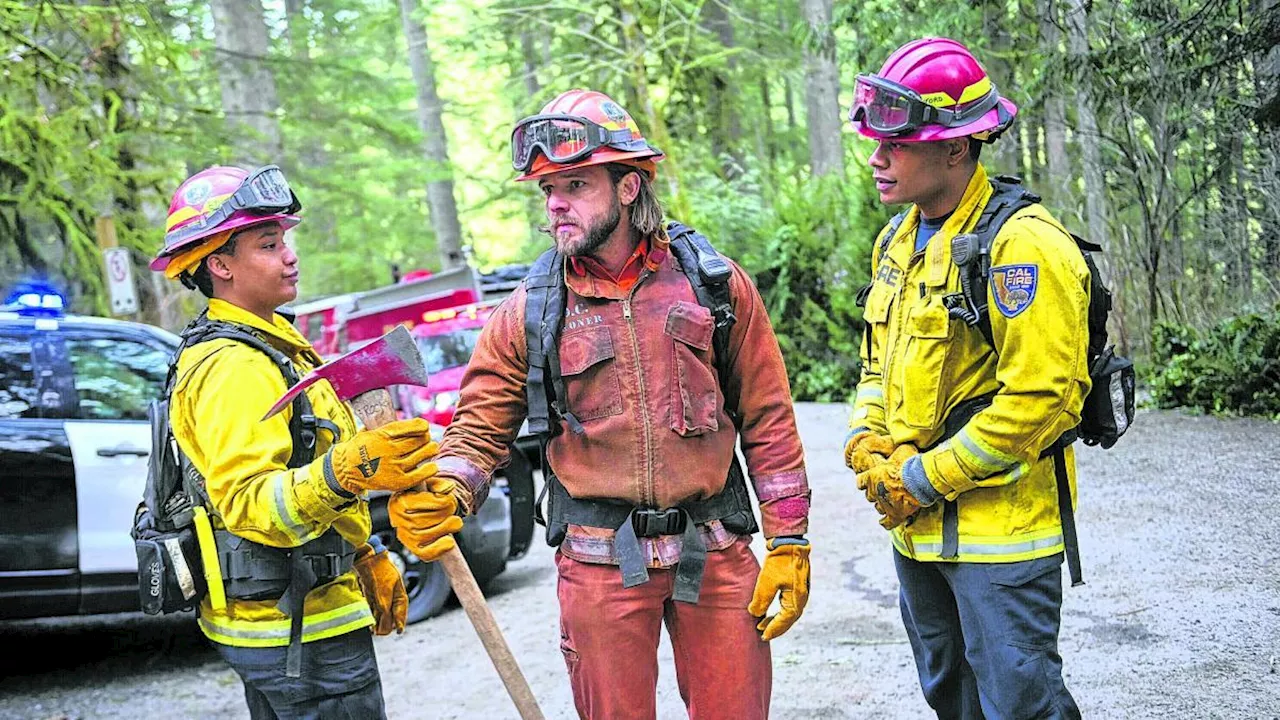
point(175, 567)
point(960, 416)
point(731, 506)
point(252, 571)
point(178, 568)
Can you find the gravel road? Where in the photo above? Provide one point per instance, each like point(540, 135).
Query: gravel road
point(1180, 616)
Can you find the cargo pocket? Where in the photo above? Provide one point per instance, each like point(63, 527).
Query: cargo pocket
point(1024, 611)
point(590, 374)
point(923, 362)
point(695, 399)
point(874, 317)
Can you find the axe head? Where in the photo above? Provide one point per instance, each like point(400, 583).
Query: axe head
point(392, 359)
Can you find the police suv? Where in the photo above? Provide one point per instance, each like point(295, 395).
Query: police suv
point(74, 444)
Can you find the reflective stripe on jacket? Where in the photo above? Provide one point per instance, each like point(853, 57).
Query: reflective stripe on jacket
point(639, 375)
point(222, 391)
point(921, 364)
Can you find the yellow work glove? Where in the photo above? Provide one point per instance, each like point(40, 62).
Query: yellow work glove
point(895, 458)
point(892, 499)
point(785, 575)
point(865, 448)
point(382, 586)
point(391, 458)
point(425, 519)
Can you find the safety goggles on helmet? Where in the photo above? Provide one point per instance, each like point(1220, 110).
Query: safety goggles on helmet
point(892, 109)
point(564, 139)
point(263, 192)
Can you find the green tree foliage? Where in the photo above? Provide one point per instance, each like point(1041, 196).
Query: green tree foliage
point(1232, 368)
point(106, 105)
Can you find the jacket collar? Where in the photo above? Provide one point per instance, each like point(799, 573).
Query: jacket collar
point(938, 251)
point(278, 332)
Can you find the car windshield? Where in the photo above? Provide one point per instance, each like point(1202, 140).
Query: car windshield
point(441, 352)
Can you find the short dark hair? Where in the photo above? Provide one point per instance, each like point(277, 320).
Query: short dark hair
point(975, 149)
point(200, 279)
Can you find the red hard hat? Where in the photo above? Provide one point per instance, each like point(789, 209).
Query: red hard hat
point(946, 76)
point(602, 110)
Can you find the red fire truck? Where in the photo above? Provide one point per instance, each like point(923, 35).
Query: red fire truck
point(444, 312)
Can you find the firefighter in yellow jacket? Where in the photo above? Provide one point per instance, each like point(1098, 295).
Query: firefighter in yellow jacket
point(301, 585)
point(956, 438)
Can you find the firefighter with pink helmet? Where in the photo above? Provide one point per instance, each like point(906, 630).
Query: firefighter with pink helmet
point(960, 432)
point(297, 584)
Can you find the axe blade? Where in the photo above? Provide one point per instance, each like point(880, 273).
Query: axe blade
point(392, 359)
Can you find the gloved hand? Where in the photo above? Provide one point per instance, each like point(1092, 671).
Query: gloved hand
point(884, 488)
point(382, 586)
point(897, 457)
point(785, 574)
point(426, 519)
point(865, 448)
point(393, 457)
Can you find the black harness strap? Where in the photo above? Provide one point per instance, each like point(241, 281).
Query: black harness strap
point(544, 315)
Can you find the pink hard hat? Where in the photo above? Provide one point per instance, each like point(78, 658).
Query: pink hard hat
point(222, 198)
point(930, 89)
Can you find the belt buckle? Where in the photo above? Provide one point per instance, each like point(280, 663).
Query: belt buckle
point(327, 565)
point(652, 523)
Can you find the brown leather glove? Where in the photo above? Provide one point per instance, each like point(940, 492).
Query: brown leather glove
point(383, 588)
point(425, 519)
point(392, 458)
point(884, 488)
point(896, 458)
point(865, 449)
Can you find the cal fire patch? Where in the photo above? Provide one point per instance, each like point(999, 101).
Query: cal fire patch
point(1014, 287)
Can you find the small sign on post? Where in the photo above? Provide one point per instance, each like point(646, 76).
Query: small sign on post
point(124, 296)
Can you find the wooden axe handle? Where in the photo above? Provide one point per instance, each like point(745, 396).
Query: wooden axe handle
point(375, 409)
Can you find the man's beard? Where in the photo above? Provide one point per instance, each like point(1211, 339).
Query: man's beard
point(595, 236)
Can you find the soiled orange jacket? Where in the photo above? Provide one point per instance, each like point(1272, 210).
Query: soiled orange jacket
point(639, 374)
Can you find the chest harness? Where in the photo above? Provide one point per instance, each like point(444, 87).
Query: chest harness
point(708, 274)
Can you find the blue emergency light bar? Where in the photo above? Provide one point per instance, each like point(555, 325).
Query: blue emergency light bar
point(35, 299)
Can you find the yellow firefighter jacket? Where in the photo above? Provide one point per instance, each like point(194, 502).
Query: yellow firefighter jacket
point(223, 389)
point(919, 364)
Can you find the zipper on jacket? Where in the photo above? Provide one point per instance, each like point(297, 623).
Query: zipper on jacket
point(646, 494)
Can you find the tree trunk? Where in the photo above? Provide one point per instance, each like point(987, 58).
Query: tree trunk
point(640, 104)
point(822, 88)
point(435, 145)
point(249, 99)
point(529, 59)
point(1057, 163)
point(312, 159)
point(723, 93)
point(1087, 133)
point(1267, 174)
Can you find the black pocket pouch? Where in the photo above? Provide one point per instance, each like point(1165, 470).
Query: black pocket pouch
point(170, 576)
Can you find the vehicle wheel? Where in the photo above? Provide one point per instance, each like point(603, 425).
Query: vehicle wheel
point(427, 585)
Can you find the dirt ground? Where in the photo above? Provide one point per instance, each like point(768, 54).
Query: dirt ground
point(1180, 616)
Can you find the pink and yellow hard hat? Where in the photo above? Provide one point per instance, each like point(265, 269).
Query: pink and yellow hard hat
point(210, 205)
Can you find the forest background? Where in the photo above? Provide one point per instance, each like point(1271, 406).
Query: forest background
point(1149, 126)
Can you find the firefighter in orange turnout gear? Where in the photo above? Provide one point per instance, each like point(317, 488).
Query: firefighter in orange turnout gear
point(612, 353)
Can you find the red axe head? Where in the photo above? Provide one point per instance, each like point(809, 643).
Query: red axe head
point(392, 359)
